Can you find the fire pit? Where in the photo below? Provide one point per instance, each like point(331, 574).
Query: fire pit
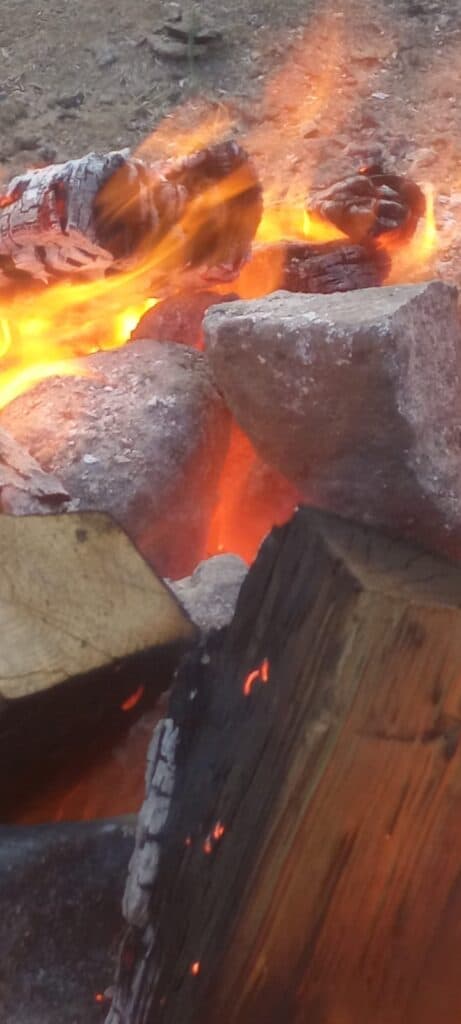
point(187, 354)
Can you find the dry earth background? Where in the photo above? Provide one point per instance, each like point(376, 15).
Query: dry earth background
point(79, 75)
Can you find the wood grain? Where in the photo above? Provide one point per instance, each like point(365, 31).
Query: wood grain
point(333, 895)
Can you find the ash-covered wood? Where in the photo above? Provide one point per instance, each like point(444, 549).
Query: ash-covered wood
point(99, 213)
point(372, 203)
point(298, 855)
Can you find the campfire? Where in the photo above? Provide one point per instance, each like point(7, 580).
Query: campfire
point(189, 351)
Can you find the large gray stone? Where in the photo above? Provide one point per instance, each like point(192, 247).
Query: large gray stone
point(355, 397)
point(142, 436)
point(61, 887)
point(210, 594)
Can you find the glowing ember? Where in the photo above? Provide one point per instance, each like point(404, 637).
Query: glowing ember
point(260, 675)
point(208, 846)
point(195, 968)
point(132, 701)
point(218, 831)
point(100, 997)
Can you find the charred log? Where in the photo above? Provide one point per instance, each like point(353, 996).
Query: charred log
point(100, 213)
point(303, 801)
point(370, 204)
point(321, 268)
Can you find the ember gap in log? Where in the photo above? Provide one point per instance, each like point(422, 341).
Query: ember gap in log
point(298, 854)
point(87, 627)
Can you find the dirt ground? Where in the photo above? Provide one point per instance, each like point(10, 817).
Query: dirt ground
point(309, 84)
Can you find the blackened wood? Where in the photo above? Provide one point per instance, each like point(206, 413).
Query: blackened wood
point(308, 267)
point(309, 866)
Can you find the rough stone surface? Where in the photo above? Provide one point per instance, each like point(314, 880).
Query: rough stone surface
point(60, 897)
point(24, 487)
point(210, 594)
point(179, 318)
point(142, 436)
point(355, 398)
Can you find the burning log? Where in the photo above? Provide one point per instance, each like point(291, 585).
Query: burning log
point(316, 268)
point(297, 856)
point(85, 625)
point(101, 213)
point(370, 204)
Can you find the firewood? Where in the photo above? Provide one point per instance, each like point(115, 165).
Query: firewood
point(297, 856)
point(371, 203)
point(310, 267)
point(86, 625)
point(100, 213)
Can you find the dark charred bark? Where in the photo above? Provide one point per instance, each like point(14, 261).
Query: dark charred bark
point(297, 856)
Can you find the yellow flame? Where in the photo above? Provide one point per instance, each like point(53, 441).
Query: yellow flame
point(412, 261)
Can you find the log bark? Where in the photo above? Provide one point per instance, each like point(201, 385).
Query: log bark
point(298, 854)
point(102, 213)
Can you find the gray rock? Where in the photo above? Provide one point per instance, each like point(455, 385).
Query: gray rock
point(355, 398)
point(210, 594)
point(60, 898)
point(141, 436)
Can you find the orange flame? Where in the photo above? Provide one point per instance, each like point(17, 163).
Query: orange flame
point(195, 968)
point(45, 334)
point(412, 261)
